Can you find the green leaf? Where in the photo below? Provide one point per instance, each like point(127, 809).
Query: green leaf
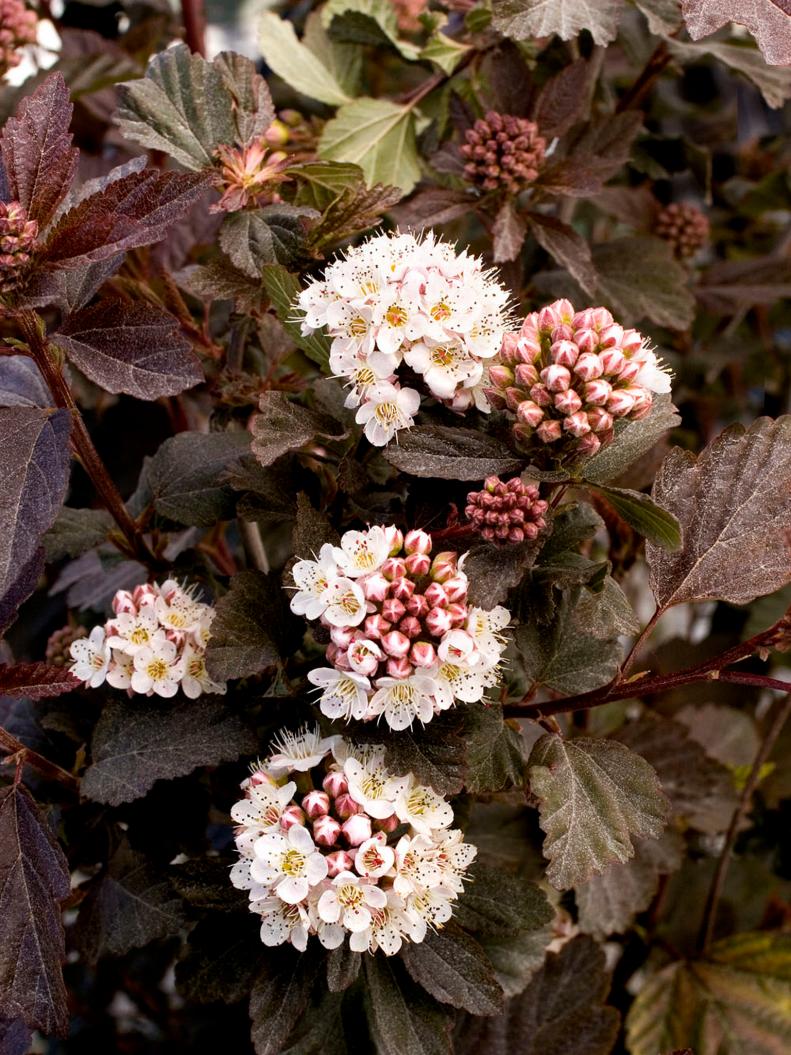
point(136, 744)
point(453, 968)
point(371, 22)
point(282, 289)
point(494, 750)
point(323, 182)
point(377, 135)
point(524, 19)
point(284, 426)
point(443, 51)
point(594, 796)
point(296, 64)
point(632, 440)
point(734, 505)
point(453, 454)
point(643, 514)
point(733, 1002)
point(250, 616)
point(402, 1018)
point(344, 61)
point(185, 476)
point(657, 289)
point(280, 997)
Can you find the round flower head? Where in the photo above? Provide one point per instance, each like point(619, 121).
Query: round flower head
point(323, 863)
point(154, 644)
point(395, 300)
point(404, 643)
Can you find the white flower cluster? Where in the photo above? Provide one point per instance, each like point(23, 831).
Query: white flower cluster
point(395, 299)
point(154, 643)
point(315, 853)
point(404, 642)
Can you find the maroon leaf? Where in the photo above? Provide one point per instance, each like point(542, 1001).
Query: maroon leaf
point(34, 681)
point(566, 246)
point(34, 878)
point(130, 212)
point(37, 152)
point(136, 349)
point(767, 20)
point(432, 206)
point(20, 589)
point(508, 231)
point(596, 153)
point(564, 99)
point(33, 475)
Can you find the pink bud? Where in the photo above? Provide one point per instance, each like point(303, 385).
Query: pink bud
point(438, 621)
point(526, 375)
point(541, 395)
point(435, 594)
point(335, 783)
point(290, 816)
point(563, 332)
point(394, 568)
point(357, 829)
point(395, 643)
point(548, 318)
point(567, 402)
point(375, 586)
point(364, 656)
point(144, 594)
point(612, 360)
point(399, 667)
point(529, 531)
point(123, 602)
point(564, 309)
point(417, 605)
point(583, 320)
point(586, 340)
point(513, 397)
point(601, 319)
point(564, 353)
point(402, 589)
point(508, 347)
point(376, 626)
point(338, 657)
point(395, 540)
point(455, 588)
point(326, 831)
point(410, 626)
point(259, 776)
point(549, 431)
point(417, 542)
point(556, 378)
point(496, 399)
point(632, 342)
point(588, 444)
point(346, 807)
point(530, 324)
point(599, 419)
point(417, 564)
point(316, 804)
point(423, 654)
point(629, 370)
point(387, 824)
point(342, 636)
point(458, 614)
point(529, 413)
point(444, 565)
point(611, 336)
point(641, 396)
point(588, 367)
point(393, 609)
point(501, 376)
point(620, 403)
point(597, 392)
point(528, 349)
point(340, 861)
point(577, 424)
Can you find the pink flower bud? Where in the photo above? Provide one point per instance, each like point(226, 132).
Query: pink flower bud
point(375, 587)
point(567, 402)
point(364, 656)
point(455, 589)
point(632, 342)
point(495, 398)
point(549, 431)
point(529, 413)
point(583, 320)
point(417, 564)
point(259, 776)
point(316, 804)
point(340, 861)
point(444, 565)
point(601, 319)
point(612, 360)
point(541, 395)
point(435, 594)
point(423, 654)
point(338, 657)
point(597, 392)
point(458, 614)
point(501, 376)
point(335, 783)
point(393, 609)
point(577, 424)
point(586, 340)
point(123, 602)
point(399, 667)
point(564, 309)
point(548, 318)
point(402, 589)
point(417, 542)
point(417, 605)
point(357, 829)
point(599, 419)
point(611, 336)
point(629, 370)
point(620, 403)
point(563, 332)
point(588, 445)
point(346, 807)
point(530, 325)
point(395, 540)
point(395, 643)
point(144, 595)
point(528, 349)
point(556, 378)
point(513, 397)
point(410, 626)
point(376, 626)
point(290, 816)
point(326, 830)
point(438, 622)
point(394, 568)
point(564, 353)
point(588, 367)
point(526, 375)
point(529, 531)
point(508, 347)
point(387, 824)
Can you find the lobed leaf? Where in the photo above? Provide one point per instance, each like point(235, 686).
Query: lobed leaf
point(377, 135)
point(632, 440)
point(75, 531)
point(284, 426)
point(767, 20)
point(295, 63)
point(245, 628)
point(566, 246)
point(494, 750)
point(35, 681)
point(522, 19)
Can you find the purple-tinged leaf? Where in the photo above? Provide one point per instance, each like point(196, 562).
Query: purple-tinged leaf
point(34, 878)
point(432, 206)
point(91, 580)
point(37, 153)
point(35, 681)
point(20, 589)
point(253, 109)
point(508, 233)
point(21, 383)
point(769, 21)
point(130, 212)
point(33, 476)
point(72, 289)
point(454, 969)
point(14, 1037)
point(136, 349)
point(455, 454)
point(564, 99)
point(566, 246)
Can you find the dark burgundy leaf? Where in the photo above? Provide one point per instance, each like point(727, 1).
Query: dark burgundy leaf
point(37, 153)
point(34, 879)
point(136, 349)
point(564, 99)
point(35, 681)
point(280, 997)
point(508, 233)
point(566, 246)
point(33, 476)
point(21, 383)
point(72, 289)
point(434, 205)
point(14, 1037)
point(20, 589)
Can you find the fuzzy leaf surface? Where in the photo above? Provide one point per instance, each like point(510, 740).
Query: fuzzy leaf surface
point(769, 21)
point(186, 476)
point(280, 997)
point(453, 968)
point(521, 19)
point(453, 454)
point(21, 383)
point(247, 616)
point(35, 681)
point(283, 426)
point(653, 522)
point(632, 440)
point(656, 290)
point(402, 1018)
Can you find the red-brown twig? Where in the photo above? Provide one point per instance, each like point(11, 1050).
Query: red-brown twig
point(21, 754)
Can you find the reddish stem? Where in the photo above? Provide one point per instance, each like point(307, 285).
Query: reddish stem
point(20, 754)
point(194, 17)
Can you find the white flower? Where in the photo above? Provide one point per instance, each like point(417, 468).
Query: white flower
point(371, 785)
point(457, 646)
point(426, 909)
point(195, 679)
point(349, 901)
point(653, 374)
point(374, 858)
point(282, 922)
point(298, 751)
point(288, 863)
point(416, 865)
point(362, 552)
point(386, 410)
point(177, 609)
point(345, 603)
point(262, 809)
point(454, 857)
point(385, 930)
point(486, 630)
point(455, 682)
point(129, 633)
point(91, 657)
point(157, 669)
point(345, 693)
point(313, 579)
point(422, 808)
point(445, 367)
point(121, 670)
point(402, 700)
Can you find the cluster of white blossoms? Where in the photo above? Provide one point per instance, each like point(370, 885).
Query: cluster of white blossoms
point(395, 300)
point(317, 851)
point(154, 644)
point(404, 642)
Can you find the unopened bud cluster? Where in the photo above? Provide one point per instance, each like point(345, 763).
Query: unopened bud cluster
point(317, 852)
point(502, 152)
point(247, 176)
point(17, 30)
point(684, 226)
point(568, 375)
point(154, 644)
point(506, 512)
point(405, 643)
point(59, 643)
point(17, 238)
